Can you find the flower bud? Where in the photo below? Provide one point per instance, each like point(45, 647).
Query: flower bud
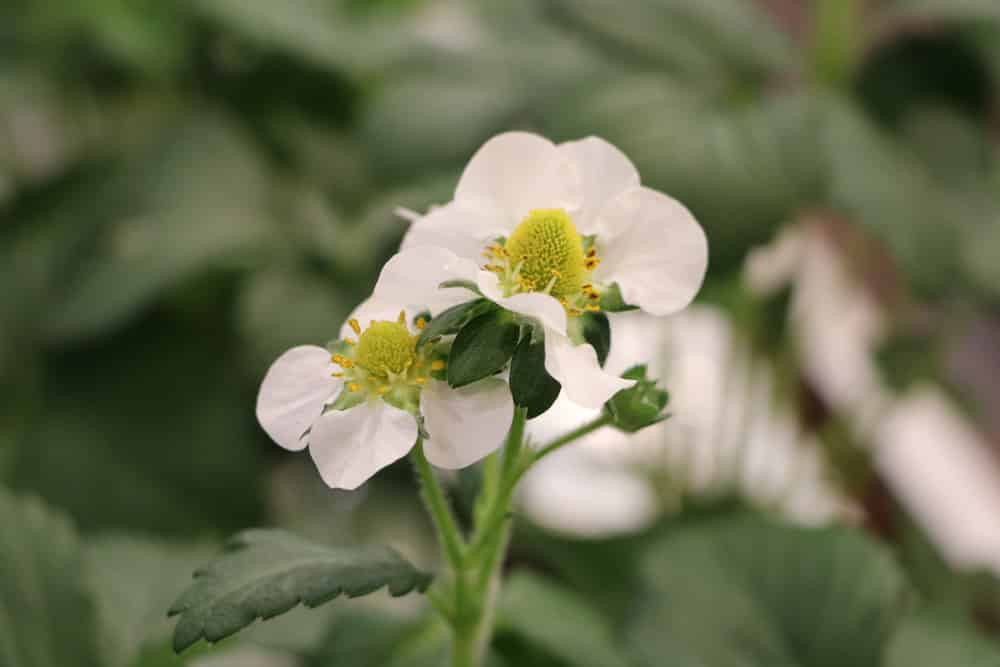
point(639, 406)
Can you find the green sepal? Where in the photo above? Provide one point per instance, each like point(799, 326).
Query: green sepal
point(347, 399)
point(531, 386)
point(639, 406)
point(338, 346)
point(482, 347)
point(612, 300)
point(266, 573)
point(453, 319)
point(405, 398)
point(596, 330)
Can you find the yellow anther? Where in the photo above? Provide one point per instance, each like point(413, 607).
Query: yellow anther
point(342, 361)
point(338, 375)
point(437, 365)
point(354, 387)
point(383, 390)
point(592, 308)
point(421, 323)
point(556, 273)
point(495, 268)
point(420, 380)
point(350, 341)
point(355, 326)
point(591, 263)
point(402, 317)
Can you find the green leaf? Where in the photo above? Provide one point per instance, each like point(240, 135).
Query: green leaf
point(268, 572)
point(133, 580)
point(745, 591)
point(716, 42)
point(195, 199)
point(482, 348)
point(930, 639)
point(530, 384)
point(46, 619)
point(453, 319)
point(596, 330)
point(557, 620)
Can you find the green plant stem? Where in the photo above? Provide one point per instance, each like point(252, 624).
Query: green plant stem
point(573, 435)
point(477, 569)
point(437, 505)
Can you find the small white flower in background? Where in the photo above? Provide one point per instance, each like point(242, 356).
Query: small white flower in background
point(357, 407)
point(551, 232)
point(726, 434)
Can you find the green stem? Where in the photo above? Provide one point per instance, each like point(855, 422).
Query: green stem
point(575, 434)
point(477, 576)
point(437, 505)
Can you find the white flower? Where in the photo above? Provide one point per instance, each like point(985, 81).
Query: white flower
point(356, 409)
point(559, 226)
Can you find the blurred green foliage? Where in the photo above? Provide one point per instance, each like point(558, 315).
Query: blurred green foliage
point(189, 188)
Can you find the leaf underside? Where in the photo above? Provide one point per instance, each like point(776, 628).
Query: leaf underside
point(268, 572)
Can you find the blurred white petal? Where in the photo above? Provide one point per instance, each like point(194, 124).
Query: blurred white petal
point(349, 446)
point(604, 173)
point(412, 279)
point(516, 172)
point(576, 368)
point(660, 261)
point(465, 424)
point(293, 393)
point(546, 309)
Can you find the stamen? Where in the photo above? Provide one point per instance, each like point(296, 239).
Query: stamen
point(354, 387)
point(437, 365)
point(350, 341)
point(355, 326)
point(421, 323)
point(420, 380)
point(402, 317)
point(342, 361)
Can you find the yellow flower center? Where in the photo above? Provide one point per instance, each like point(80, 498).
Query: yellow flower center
point(549, 251)
point(386, 349)
point(545, 253)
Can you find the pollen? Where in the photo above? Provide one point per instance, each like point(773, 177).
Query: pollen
point(437, 365)
point(549, 251)
point(386, 348)
point(355, 326)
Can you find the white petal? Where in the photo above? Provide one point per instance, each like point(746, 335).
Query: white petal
point(463, 229)
point(412, 279)
point(576, 367)
point(293, 393)
point(465, 424)
point(542, 307)
point(604, 173)
point(349, 446)
point(516, 172)
point(660, 261)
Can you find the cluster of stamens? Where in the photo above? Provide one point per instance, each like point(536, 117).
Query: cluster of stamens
point(384, 361)
point(546, 254)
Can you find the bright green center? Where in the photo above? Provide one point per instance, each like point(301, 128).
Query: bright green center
point(386, 348)
point(549, 250)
